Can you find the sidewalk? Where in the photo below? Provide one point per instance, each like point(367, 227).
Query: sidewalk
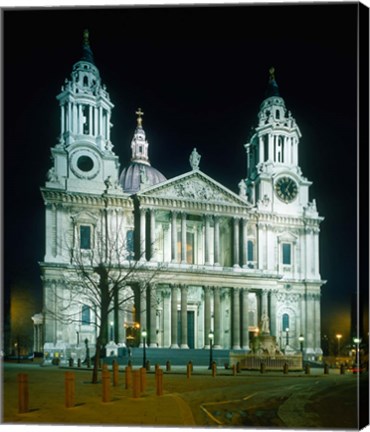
point(46, 401)
point(47, 395)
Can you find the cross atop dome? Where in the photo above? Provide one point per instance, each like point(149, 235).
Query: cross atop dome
point(272, 89)
point(139, 113)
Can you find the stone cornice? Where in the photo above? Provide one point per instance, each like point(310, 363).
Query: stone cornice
point(55, 196)
point(221, 209)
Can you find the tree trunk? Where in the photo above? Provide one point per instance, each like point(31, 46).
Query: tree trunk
point(104, 309)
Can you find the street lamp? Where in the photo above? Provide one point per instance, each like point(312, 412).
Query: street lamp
point(339, 337)
point(210, 337)
point(301, 339)
point(287, 336)
point(143, 334)
point(111, 330)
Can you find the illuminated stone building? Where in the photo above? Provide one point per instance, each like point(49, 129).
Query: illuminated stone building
point(219, 259)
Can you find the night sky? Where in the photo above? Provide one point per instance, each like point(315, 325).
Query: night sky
point(199, 74)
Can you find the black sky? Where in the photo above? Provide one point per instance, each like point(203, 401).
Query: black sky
point(199, 74)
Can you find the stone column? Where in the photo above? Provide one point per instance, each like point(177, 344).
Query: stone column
point(236, 319)
point(174, 343)
point(100, 129)
point(303, 315)
point(264, 302)
point(166, 295)
point(174, 237)
point(80, 120)
point(183, 238)
point(142, 234)
point(207, 239)
point(316, 269)
point(90, 124)
point(245, 243)
point(217, 317)
point(272, 315)
point(153, 317)
point(236, 242)
point(317, 337)
point(245, 321)
point(184, 316)
point(95, 121)
point(152, 236)
point(310, 324)
point(62, 120)
point(216, 241)
point(207, 315)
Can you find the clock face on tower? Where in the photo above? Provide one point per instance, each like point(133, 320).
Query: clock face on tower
point(286, 189)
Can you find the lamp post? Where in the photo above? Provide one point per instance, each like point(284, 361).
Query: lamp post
point(210, 337)
point(301, 339)
point(111, 330)
point(339, 337)
point(357, 341)
point(287, 336)
point(143, 334)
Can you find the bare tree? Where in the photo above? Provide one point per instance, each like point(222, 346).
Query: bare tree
point(100, 276)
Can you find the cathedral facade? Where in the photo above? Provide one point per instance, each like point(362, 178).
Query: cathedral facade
point(198, 263)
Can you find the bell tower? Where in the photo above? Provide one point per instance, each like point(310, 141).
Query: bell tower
point(274, 179)
point(83, 158)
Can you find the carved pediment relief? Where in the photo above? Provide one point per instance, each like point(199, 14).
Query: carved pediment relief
point(195, 187)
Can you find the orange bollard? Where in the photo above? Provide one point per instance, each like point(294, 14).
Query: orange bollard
point(23, 393)
point(159, 382)
point(105, 386)
point(142, 379)
point(188, 370)
point(69, 381)
point(136, 384)
point(128, 377)
point(115, 373)
point(214, 369)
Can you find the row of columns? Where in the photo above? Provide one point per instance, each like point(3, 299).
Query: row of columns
point(179, 294)
point(286, 146)
point(72, 119)
point(208, 219)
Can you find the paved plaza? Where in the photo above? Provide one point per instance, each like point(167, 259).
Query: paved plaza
point(249, 399)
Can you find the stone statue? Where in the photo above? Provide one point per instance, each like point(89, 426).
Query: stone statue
point(194, 159)
point(265, 325)
point(242, 189)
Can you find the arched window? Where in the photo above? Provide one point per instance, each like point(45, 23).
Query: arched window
point(86, 81)
point(285, 321)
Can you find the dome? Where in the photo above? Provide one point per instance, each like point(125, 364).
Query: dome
point(139, 176)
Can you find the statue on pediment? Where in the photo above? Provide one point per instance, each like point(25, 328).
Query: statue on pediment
point(194, 159)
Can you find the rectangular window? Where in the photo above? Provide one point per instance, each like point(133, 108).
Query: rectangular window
point(85, 319)
point(250, 250)
point(287, 253)
point(85, 237)
point(130, 243)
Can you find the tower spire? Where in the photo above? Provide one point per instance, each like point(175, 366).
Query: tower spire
point(87, 54)
point(139, 144)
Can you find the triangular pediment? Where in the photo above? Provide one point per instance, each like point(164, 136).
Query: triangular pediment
point(197, 187)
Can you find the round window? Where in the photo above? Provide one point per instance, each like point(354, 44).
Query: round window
point(85, 163)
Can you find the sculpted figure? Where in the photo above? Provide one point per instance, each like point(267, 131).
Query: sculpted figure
point(194, 159)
